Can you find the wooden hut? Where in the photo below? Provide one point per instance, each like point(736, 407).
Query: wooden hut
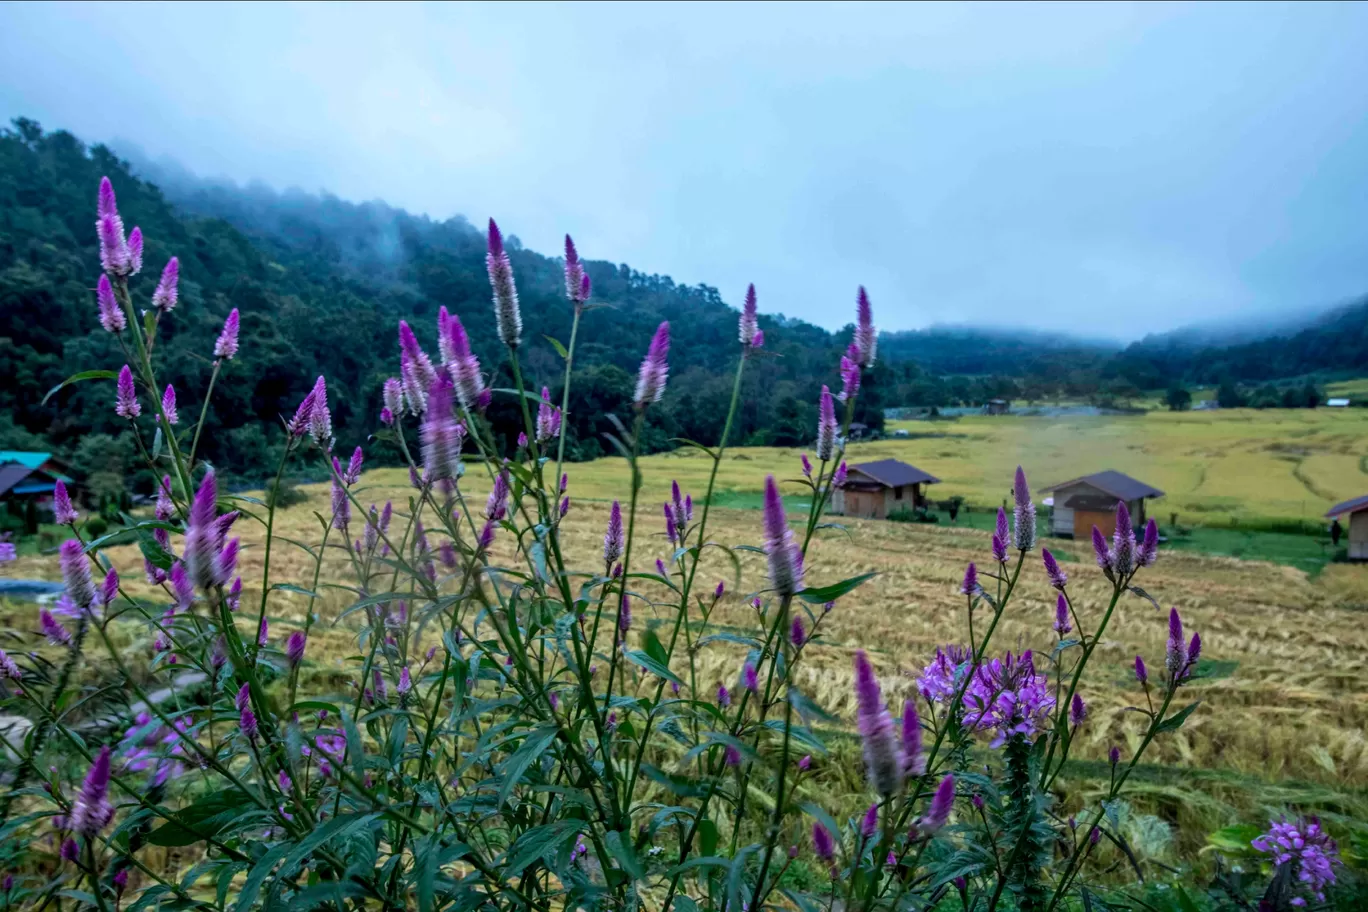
point(30, 477)
point(875, 489)
point(1081, 503)
point(1357, 512)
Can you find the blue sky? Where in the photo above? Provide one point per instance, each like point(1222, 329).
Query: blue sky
point(1110, 170)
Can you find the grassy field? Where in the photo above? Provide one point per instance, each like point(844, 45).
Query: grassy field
point(1237, 467)
point(1284, 707)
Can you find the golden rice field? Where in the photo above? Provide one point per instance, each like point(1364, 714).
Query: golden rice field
point(1284, 711)
point(1215, 467)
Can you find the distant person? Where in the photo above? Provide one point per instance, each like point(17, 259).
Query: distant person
point(1336, 532)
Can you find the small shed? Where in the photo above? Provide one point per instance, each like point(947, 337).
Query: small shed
point(26, 477)
point(1082, 503)
point(875, 489)
point(1357, 512)
point(1338, 402)
point(997, 406)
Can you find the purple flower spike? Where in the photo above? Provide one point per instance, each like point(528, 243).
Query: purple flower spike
point(247, 721)
point(1000, 537)
point(415, 370)
point(1114, 755)
point(826, 427)
point(1058, 578)
point(1023, 513)
point(405, 685)
point(869, 826)
point(202, 554)
point(294, 648)
point(464, 367)
point(392, 397)
point(758, 340)
point(442, 435)
point(114, 256)
point(243, 698)
point(70, 851)
point(167, 293)
point(1104, 555)
point(506, 310)
point(882, 757)
point(63, 513)
point(1149, 547)
point(655, 368)
point(320, 418)
point(749, 324)
point(227, 345)
point(797, 633)
point(1307, 850)
point(1078, 711)
point(1123, 542)
point(1176, 657)
point(850, 378)
point(1061, 624)
point(624, 619)
point(807, 466)
point(9, 668)
point(914, 761)
point(749, 678)
point(80, 589)
point(839, 479)
point(109, 589)
point(1194, 650)
point(941, 803)
point(126, 400)
point(298, 426)
point(169, 405)
point(576, 279)
point(970, 586)
point(52, 628)
point(135, 251)
point(91, 811)
point(785, 561)
point(111, 315)
point(723, 695)
point(720, 590)
point(865, 336)
point(805, 763)
point(1141, 672)
point(613, 540)
point(823, 844)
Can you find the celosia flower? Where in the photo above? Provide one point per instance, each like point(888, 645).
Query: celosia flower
point(785, 560)
point(63, 513)
point(235, 594)
point(405, 684)
point(1000, 537)
point(942, 677)
point(126, 401)
point(76, 574)
point(1061, 624)
point(548, 418)
point(839, 479)
point(655, 368)
point(8, 552)
point(52, 628)
point(320, 418)
point(226, 346)
point(109, 589)
point(522, 440)
point(243, 698)
point(749, 324)
point(723, 695)
point(1058, 578)
point(496, 507)
point(823, 844)
point(941, 803)
point(442, 435)
point(970, 586)
point(111, 314)
point(166, 507)
point(91, 811)
point(1023, 513)
point(883, 759)
point(805, 763)
point(660, 568)
point(169, 405)
point(613, 539)
point(247, 721)
point(1114, 755)
point(506, 312)
point(393, 399)
point(826, 427)
point(731, 756)
point(1176, 657)
point(869, 826)
point(167, 293)
point(1008, 696)
point(914, 761)
point(624, 618)
point(182, 589)
point(1123, 542)
point(135, 251)
point(797, 633)
point(110, 231)
point(1307, 848)
point(1141, 672)
point(9, 668)
point(1078, 711)
point(865, 336)
point(294, 648)
point(298, 426)
point(749, 678)
point(70, 851)
point(564, 506)
point(807, 465)
point(576, 281)
point(1104, 555)
point(486, 535)
point(202, 537)
point(464, 367)
point(720, 590)
point(1148, 552)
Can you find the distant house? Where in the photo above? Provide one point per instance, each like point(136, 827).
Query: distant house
point(997, 406)
point(29, 477)
point(875, 489)
point(1206, 405)
point(1337, 403)
point(1357, 511)
point(1090, 501)
point(858, 430)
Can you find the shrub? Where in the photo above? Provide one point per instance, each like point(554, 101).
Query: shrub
point(515, 740)
point(285, 495)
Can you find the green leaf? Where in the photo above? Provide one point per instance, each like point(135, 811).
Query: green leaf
point(517, 763)
point(555, 343)
point(736, 877)
point(201, 819)
point(157, 444)
point(153, 551)
point(651, 665)
point(1235, 840)
point(696, 445)
point(77, 378)
point(707, 836)
point(337, 827)
point(654, 648)
point(291, 587)
point(824, 594)
point(1144, 595)
point(536, 842)
point(1185, 902)
point(823, 818)
point(355, 746)
point(1175, 721)
point(621, 850)
point(257, 876)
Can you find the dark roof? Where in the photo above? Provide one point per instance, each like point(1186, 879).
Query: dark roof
point(894, 473)
point(1091, 503)
point(1117, 484)
point(11, 474)
point(1349, 506)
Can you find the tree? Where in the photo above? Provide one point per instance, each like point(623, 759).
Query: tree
point(1228, 395)
point(1178, 398)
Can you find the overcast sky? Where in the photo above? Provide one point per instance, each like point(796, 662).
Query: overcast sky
point(1108, 169)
